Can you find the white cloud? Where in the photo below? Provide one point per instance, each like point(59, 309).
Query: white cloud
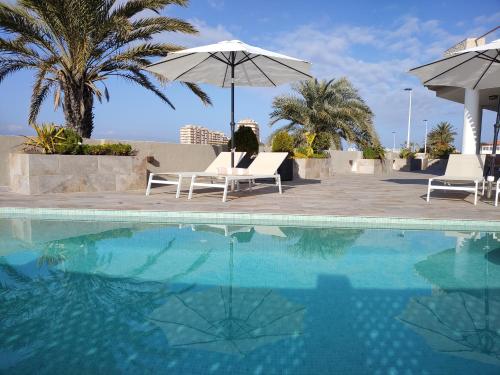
point(377, 60)
point(207, 34)
point(487, 19)
point(217, 4)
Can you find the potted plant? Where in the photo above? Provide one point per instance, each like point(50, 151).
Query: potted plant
point(283, 142)
point(373, 160)
point(311, 162)
point(413, 163)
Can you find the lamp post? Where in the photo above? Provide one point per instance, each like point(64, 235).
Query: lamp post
point(425, 139)
point(409, 118)
point(393, 142)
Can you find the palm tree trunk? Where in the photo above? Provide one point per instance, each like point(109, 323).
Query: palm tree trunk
point(78, 110)
point(87, 124)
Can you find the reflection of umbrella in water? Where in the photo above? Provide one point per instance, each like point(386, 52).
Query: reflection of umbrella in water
point(458, 323)
point(227, 319)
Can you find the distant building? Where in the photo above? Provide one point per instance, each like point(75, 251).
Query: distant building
point(199, 135)
point(217, 138)
point(487, 148)
point(252, 124)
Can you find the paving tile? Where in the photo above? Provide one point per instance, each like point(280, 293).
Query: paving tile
point(401, 194)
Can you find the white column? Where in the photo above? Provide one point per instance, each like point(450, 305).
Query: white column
point(472, 122)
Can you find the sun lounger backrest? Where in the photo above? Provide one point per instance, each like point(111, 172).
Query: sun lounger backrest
point(470, 166)
point(267, 163)
point(224, 160)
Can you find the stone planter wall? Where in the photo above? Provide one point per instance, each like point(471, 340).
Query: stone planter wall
point(39, 174)
point(312, 168)
point(373, 166)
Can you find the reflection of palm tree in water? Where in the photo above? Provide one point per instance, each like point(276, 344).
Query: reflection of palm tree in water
point(57, 316)
point(465, 320)
point(55, 252)
point(323, 243)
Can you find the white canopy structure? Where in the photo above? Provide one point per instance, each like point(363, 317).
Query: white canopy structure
point(470, 76)
point(231, 63)
point(474, 68)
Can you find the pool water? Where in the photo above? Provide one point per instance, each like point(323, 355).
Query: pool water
point(138, 298)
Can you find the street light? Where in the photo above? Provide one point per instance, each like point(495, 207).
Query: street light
point(393, 141)
point(425, 139)
point(409, 118)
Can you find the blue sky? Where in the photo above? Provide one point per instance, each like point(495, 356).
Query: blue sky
point(373, 43)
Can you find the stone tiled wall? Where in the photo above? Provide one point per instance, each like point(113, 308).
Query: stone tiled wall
point(160, 156)
point(39, 174)
point(313, 169)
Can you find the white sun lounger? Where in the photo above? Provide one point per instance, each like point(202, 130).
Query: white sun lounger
point(223, 160)
point(462, 171)
point(265, 165)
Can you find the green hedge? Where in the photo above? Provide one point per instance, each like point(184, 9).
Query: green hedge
point(116, 149)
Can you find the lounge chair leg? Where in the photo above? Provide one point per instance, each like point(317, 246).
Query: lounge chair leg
point(250, 185)
point(178, 193)
point(482, 194)
point(226, 185)
point(496, 195)
point(278, 182)
point(193, 179)
point(429, 191)
point(475, 194)
point(148, 189)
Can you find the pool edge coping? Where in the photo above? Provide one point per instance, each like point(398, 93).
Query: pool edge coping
point(245, 218)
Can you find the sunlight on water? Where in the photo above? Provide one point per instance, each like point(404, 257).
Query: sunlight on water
point(213, 299)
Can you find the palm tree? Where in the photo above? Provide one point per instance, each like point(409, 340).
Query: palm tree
point(440, 139)
point(442, 134)
point(74, 46)
point(332, 106)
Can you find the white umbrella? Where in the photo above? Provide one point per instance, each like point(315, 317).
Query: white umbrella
point(474, 68)
point(228, 64)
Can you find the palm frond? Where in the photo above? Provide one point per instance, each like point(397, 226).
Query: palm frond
point(332, 106)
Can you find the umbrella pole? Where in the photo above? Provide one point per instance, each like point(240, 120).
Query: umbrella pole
point(232, 110)
point(491, 174)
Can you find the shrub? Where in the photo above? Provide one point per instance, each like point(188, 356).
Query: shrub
point(282, 142)
point(70, 144)
point(301, 155)
point(373, 152)
point(245, 140)
point(407, 153)
point(442, 151)
point(46, 139)
point(321, 142)
point(116, 149)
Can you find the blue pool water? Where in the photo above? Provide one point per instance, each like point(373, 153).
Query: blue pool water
point(137, 298)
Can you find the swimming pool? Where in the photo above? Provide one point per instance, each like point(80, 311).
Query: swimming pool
point(120, 297)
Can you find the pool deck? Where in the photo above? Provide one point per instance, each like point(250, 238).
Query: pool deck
point(401, 195)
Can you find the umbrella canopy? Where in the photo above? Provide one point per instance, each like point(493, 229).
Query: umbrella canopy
point(457, 324)
point(474, 68)
point(463, 318)
point(229, 64)
point(253, 66)
point(229, 320)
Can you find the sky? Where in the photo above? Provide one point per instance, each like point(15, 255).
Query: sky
point(372, 43)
